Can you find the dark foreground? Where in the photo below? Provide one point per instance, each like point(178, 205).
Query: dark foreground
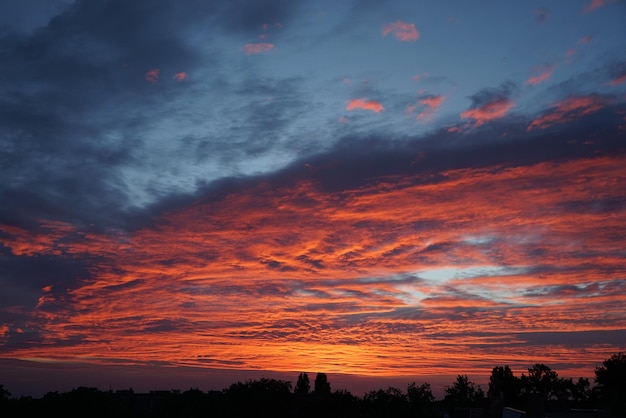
point(540, 393)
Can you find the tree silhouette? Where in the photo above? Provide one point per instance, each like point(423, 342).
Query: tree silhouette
point(464, 393)
point(611, 380)
point(581, 392)
point(541, 380)
point(302, 386)
point(420, 395)
point(4, 394)
point(504, 389)
point(542, 385)
point(387, 403)
point(322, 386)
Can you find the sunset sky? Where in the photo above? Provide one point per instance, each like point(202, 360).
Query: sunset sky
point(205, 191)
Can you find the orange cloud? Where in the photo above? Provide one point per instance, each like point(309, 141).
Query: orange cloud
point(432, 102)
point(494, 109)
point(180, 76)
point(258, 48)
point(404, 32)
point(371, 279)
point(568, 110)
point(364, 104)
point(544, 74)
point(376, 279)
point(152, 76)
point(429, 105)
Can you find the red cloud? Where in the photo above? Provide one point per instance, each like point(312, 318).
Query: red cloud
point(257, 48)
point(402, 31)
point(495, 109)
point(180, 76)
point(567, 110)
point(153, 75)
point(544, 74)
point(595, 4)
point(372, 105)
point(619, 80)
point(585, 40)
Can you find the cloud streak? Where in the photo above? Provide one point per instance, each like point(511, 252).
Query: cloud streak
point(489, 111)
point(365, 104)
point(404, 32)
point(542, 74)
point(257, 48)
point(568, 110)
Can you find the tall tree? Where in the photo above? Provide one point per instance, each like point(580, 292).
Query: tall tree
point(322, 386)
point(302, 386)
point(543, 385)
point(504, 390)
point(611, 379)
point(542, 382)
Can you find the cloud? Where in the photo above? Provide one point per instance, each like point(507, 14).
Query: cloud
point(490, 103)
point(365, 104)
point(489, 237)
point(618, 80)
point(567, 110)
point(404, 32)
point(496, 109)
point(595, 4)
point(180, 76)
point(460, 241)
point(585, 40)
point(428, 105)
point(258, 48)
point(153, 75)
point(433, 102)
point(544, 72)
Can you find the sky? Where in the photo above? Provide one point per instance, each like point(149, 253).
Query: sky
point(201, 192)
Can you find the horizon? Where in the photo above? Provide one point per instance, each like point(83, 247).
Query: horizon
point(359, 188)
point(64, 377)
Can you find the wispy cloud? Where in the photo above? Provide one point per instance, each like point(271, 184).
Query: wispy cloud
point(568, 110)
point(486, 112)
point(621, 79)
point(542, 73)
point(404, 32)
point(258, 48)
point(365, 104)
point(152, 76)
point(595, 4)
point(180, 76)
point(427, 107)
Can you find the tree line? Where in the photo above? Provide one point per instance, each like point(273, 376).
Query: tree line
point(539, 392)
